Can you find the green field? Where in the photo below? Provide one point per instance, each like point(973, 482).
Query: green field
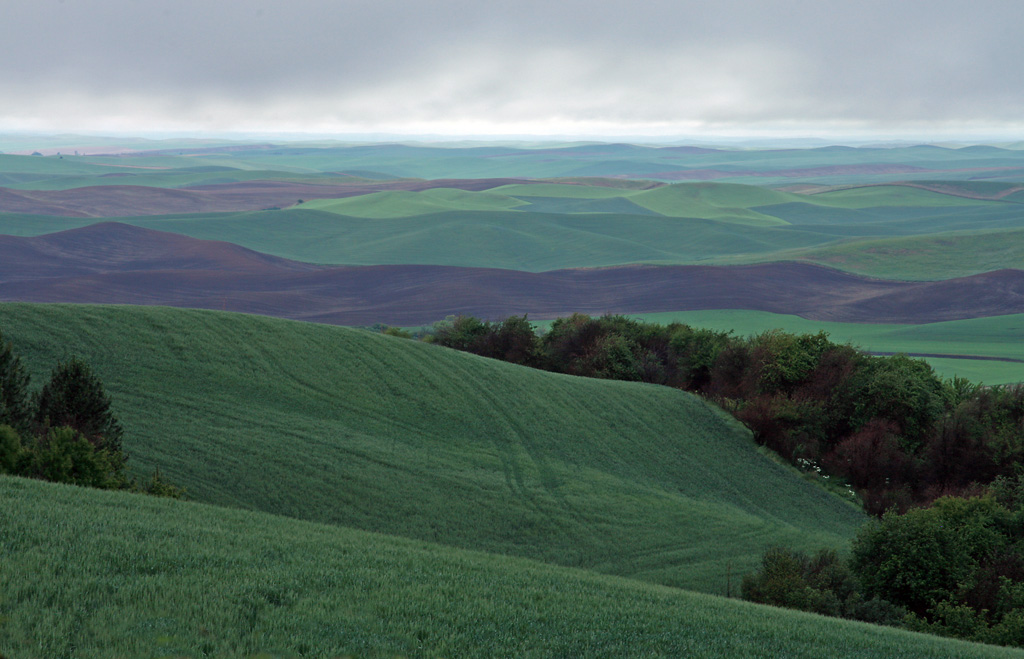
point(359, 494)
point(88, 573)
point(889, 231)
point(357, 429)
point(924, 257)
point(406, 204)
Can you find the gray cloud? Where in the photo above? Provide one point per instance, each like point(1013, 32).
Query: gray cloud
point(455, 65)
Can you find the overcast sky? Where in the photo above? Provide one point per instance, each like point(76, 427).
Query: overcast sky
point(724, 67)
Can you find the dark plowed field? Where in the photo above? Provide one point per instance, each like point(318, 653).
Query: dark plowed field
point(136, 200)
point(116, 263)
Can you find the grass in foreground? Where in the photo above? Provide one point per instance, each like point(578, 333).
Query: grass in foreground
point(87, 573)
point(343, 426)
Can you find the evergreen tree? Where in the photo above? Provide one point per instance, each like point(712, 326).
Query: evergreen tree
point(74, 398)
point(14, 403)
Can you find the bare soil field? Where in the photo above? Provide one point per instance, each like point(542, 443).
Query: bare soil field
point(120, 264)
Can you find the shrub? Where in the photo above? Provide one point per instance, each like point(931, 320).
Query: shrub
point(10, 450)
point(64, 455)
point(930, 555)
point(821, 584)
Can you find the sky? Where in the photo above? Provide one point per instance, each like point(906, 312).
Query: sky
point(914, 68)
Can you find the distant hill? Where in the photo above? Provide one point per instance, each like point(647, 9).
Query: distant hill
point(114, 263)
point(131, 200)
point(357, 429)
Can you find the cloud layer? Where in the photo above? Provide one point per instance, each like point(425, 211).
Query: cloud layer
point(455, 66)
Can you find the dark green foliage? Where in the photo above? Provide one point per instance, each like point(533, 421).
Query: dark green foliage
point(616, 348)
point(10, 450)
point(954, 569)
point(581, 345)
point(783, 361)
point(396, 331)
point(70, 434)
point(793, 580)
point(158, 487)
point(905, 391)
point(695, 352)
point(460, 332)
point(957, 566)
point(821, 584)
point(64, 455)
point(888, 426)
point(14, 382)
point(75, 398)
point(512, 340)
point(919, 558)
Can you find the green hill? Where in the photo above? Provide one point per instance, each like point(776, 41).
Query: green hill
point(549, 226)
point(925, 257)
point(357, 429)
point(512, 239)
point(90, 573)
point(404, 204)
point(897, 195)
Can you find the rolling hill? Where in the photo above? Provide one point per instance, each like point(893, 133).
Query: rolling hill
point(540, 225)
point(125, 200)
point(115, 263)
point(356, 429)
point(91, 573)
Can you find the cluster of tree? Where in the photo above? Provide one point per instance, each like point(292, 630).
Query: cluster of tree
point(65, 432)
point(888, 426)
point(955, 568)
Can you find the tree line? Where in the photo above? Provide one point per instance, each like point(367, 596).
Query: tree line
point(889, 427)
point(65, 432)
point(954, 568)
point(937, 462)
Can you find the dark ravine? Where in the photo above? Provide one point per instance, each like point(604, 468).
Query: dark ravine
point(122, 264)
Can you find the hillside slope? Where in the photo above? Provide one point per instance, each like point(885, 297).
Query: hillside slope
point(90, 573)
point(113, 263)
point(357, 429)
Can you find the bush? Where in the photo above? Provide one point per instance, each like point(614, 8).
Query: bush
point(788, 578)
point(64, 455)
point(928, 556)
point(10, 450)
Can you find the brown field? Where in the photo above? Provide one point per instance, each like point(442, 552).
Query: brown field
point(121, 264)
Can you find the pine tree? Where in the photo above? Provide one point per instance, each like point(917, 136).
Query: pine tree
point(74, 397)
point(14, 401)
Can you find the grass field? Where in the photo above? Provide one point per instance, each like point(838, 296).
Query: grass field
point(925, 257)
point(997, 336)
point(512, 240)
point(176, 178)
point(406, 204)
point(888, 231)
point(87, 573)
point(347, 427)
